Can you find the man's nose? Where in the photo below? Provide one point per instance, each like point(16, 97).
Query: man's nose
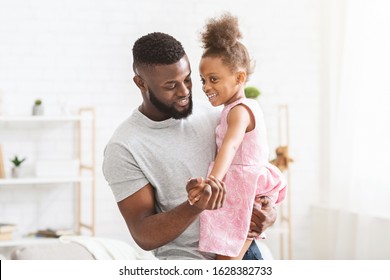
point(183, 90)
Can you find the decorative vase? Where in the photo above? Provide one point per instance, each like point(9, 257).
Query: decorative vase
point(37, 110)
point(15, 172)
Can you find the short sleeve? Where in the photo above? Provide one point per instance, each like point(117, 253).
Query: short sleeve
point(122, 172)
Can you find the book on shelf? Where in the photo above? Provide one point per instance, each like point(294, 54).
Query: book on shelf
point(6, 231)
point(7, 228)
point(54, 233)
point(6, 235)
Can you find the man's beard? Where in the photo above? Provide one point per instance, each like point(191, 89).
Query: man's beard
point(170, 110)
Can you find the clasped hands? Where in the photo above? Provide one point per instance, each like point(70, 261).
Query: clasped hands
point(210, 194)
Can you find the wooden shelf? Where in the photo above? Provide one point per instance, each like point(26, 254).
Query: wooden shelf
point(36, 181)
point(32, 119)
point(82, 126)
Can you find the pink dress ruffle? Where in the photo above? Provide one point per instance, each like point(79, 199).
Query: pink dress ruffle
point(225, 230)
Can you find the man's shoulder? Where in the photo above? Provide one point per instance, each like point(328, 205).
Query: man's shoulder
point(126, 127)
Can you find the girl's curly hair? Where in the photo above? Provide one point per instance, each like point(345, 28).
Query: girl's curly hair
point(221, 37)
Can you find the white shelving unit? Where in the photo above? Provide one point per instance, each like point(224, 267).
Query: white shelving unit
point(284, 219)
point(43, 181)
point(41, 119)
point(83, 126)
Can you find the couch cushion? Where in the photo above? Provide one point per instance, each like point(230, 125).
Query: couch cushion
point(52, 251)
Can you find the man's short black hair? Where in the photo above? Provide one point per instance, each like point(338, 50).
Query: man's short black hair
point(157, 49)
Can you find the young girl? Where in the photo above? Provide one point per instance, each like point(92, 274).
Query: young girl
point(242, 159)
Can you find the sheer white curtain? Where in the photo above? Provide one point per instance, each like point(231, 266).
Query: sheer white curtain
point(359, 179)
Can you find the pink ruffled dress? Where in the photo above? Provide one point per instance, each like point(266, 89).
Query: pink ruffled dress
point(225, 230)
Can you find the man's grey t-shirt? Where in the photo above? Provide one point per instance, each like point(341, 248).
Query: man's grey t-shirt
point(165, 154)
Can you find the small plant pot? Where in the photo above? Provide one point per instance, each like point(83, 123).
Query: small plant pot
point(37, 110)
point(16, 171)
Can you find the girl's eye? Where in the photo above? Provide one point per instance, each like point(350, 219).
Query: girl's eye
point(213, 79)
point(202, 81)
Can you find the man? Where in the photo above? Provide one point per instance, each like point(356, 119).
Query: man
point(151, 157)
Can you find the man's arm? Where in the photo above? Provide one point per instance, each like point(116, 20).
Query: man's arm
point(263, 216)
point(150, 229)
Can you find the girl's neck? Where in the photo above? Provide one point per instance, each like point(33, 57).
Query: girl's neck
point(239, 95)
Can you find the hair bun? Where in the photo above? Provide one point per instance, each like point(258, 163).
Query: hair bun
point(221, 33)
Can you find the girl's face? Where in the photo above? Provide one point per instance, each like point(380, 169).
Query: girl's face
point(219, 83)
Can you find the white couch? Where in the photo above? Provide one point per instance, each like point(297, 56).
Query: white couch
point(91, 248)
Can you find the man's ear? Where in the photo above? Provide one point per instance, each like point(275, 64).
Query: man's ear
point(140, 83)
point(241, 77)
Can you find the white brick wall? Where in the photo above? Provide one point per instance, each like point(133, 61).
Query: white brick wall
point(78, 53)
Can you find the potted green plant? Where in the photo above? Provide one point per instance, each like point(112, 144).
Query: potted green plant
point(16, 168)
point(37, 108)
point(252, 92)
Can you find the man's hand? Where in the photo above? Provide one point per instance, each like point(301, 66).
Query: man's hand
point(263, 216)
point(194, 189)
point(207, 194)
